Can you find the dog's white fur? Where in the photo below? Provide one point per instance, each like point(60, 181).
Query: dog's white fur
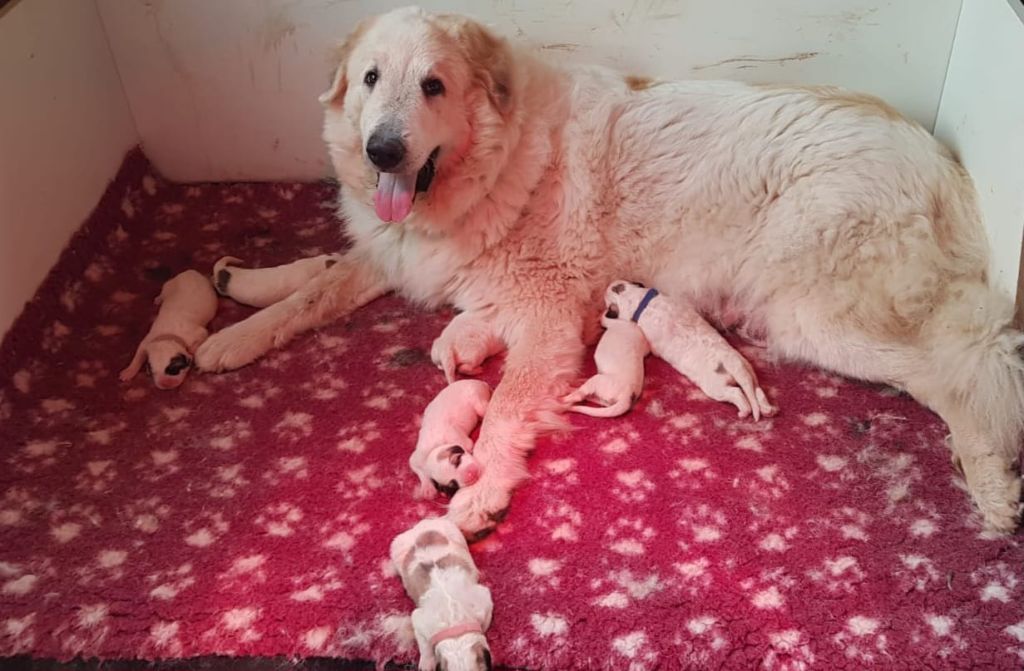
point(681, 337)
point(447, 422)
point(843, 232)
point(466, 342)
point(439, 575)
point(187, 304)
point(619, 381)
point(260, 287)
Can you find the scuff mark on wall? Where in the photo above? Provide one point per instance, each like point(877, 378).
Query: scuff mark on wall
point(744, 62)
point(560, 46)
point(276, 28)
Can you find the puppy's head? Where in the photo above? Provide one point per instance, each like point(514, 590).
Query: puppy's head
point(622, 298)
point(451, 467)
point(168, 362)
point(415, 112)
point(465, 653)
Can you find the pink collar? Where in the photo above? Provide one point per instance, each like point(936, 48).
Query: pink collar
point(455, 631)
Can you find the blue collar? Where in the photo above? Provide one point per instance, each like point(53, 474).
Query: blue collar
point(644, 302)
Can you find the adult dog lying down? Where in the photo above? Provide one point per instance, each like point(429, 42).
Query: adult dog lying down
point(475, 174)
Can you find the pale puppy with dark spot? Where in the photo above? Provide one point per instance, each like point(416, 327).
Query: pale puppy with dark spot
point(260, 287)
point(453, 611)
point(689, 344)
point(187, 304)
point(443, 458)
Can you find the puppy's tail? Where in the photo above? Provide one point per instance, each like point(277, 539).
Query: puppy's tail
point(614, 410)
point(221, 274)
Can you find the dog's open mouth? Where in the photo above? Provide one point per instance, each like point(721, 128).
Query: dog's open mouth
point(396, 192)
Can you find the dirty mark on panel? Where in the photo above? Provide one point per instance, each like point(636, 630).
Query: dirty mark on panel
point(741, 62)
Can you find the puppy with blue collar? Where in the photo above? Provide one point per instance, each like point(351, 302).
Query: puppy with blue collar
point(619, 380)
point(682, 338)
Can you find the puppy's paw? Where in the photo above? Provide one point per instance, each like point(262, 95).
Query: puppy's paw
point(236, 346)
point(222, 274)
point(478, 509)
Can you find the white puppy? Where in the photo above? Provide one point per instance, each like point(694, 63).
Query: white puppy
point(187, 304)
point(680, 336)
point(620, 358)
point(443, 457)
point(453, 611)
point(260, 287)
point(466, 342)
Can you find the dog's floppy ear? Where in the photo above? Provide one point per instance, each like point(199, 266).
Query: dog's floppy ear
point(339, 82)
point(488, 58)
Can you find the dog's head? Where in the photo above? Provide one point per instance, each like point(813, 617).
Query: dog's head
point(168, 362)
point(450, 468)
point(621, 299)
point(415, 111)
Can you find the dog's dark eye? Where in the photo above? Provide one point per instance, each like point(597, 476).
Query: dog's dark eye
point(612, 313)
point(432, 87)
point(370, 78)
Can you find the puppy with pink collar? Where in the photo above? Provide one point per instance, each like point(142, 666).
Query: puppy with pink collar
point(683, 339)
point(453, 611)
point(443, 458)
point(187, 304)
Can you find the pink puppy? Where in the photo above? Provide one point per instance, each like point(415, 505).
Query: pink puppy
point(187, 304)
point(443, 457)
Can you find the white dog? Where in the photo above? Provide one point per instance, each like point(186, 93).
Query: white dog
point(187, 304)
point(260, 287)
point(689, 344)
point(466, 342)
point(620, 358)
point(453, 611)
point(443, 458)
point(476, 174)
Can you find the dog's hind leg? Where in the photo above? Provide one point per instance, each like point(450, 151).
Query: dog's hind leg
point(963, 362)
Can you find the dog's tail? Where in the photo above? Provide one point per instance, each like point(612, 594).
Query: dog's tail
point(979, 366)
point(221, 274)
point(614, 410)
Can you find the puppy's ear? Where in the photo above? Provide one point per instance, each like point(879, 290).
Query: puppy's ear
point(488, 58)
point(339, 82)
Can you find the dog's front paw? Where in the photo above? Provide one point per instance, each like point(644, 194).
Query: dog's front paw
point(479, 508)
point(234, 347)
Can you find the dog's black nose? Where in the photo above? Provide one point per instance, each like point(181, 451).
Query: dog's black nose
point(385, 149)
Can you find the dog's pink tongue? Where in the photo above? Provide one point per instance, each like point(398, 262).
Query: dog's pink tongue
point(393, 200)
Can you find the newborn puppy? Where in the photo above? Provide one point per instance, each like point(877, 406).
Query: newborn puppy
point(442, 458)
point(260, 287)
point(680, 336)
point(465, 343)
point(620, 369)
point(453, 611)
point(187, 304)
